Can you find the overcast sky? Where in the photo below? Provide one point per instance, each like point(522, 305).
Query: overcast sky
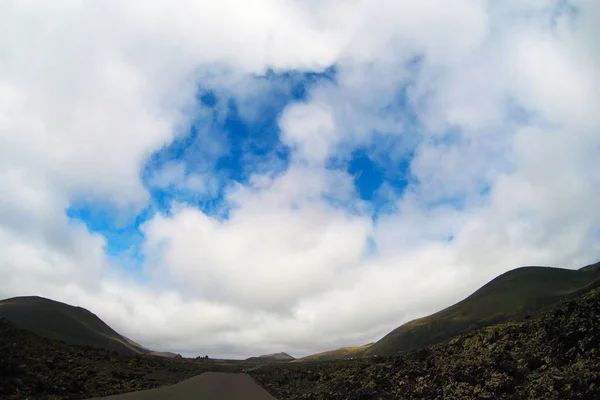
point(240, 177)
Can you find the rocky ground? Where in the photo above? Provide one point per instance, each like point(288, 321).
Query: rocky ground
point(554, 356)
point(32, 367)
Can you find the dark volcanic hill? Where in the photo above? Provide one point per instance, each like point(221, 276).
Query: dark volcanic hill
point(280, 357)
point(34, 367)
point(60, 321)
point(511, 296)
point(552, 356)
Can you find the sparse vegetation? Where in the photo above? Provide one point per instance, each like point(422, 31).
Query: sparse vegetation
point(510, 297)
point(514, 344)
point(338, 354)
point(553, 356)
point(33, 367)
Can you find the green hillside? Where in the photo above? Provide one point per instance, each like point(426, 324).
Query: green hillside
point(509, 297)
point(73, 325)
point(338, 354)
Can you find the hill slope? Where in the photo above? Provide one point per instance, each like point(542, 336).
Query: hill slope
point(60, 321)
point(338, 354)
point(271, 357)
point(552, 356)
point(34, 367)
point(509, 297)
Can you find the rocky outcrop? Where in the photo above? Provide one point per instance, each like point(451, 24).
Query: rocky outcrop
point(553, 356)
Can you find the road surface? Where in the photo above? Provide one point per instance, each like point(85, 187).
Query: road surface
point(207, 386)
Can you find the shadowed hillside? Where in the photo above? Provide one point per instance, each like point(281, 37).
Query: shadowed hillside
point(553, 356)
point(280, 357)
point(509, 297)
point(34, 367)
point(73, 325)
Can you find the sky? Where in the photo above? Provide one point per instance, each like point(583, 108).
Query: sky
point(242, 177)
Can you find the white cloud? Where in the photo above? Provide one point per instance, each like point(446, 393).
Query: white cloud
point(309, 128)
point(173, 176)
point(89, 91)
point(291, 241)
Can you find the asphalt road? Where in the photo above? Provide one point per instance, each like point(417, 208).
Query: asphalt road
point(207, 386)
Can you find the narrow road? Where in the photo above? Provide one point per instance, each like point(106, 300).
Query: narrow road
point(207, 386)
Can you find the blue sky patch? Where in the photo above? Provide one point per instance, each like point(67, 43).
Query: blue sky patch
point(122, 235)
point(368, 176)
point(230, 137)
point(227, 140)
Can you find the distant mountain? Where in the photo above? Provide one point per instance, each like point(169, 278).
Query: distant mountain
point(512, 296)
point(271, 358)
point(72, 325)
point(338, 354)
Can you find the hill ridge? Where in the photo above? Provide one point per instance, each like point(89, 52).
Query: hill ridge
point(71, 324)
point(281, 356)
point(511, 296)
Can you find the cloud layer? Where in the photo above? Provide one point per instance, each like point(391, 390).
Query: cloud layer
point(487, 111)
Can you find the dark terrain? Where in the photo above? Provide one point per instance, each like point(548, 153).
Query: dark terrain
point(553, 356)
point(530, 333)
point(39, 368)
point(509, 297)
point(276, 357)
